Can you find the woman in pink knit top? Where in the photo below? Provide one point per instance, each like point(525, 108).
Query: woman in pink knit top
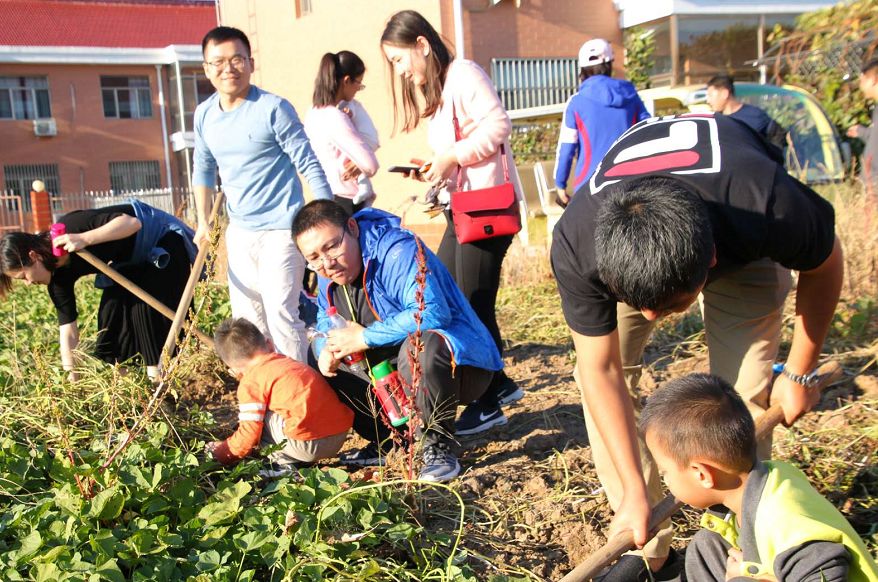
point(423, 63)
point(345, 153)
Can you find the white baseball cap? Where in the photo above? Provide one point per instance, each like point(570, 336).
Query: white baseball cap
point(595, 52)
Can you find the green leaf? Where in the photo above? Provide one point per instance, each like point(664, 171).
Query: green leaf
point(143, 542)
point(158, 568)
point(214, 514)
point(369, 569)
point(52, 555)
point(225, 506)
point(236, 491)
point(158, 475)
point(329, 512)
point(337, 476)
point(366, 518)
point(400, 532)
point(105, 543)
point(107, 504)
point(253, 540)
point(68, 500)
point(214, 534)
point(208, 561)
point(30, 544)
point(109, 570)
point(45, 572)
point(154, 504)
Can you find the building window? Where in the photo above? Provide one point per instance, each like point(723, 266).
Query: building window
point(303, 7)
point(24, 98)
point(196, 90)
point(126, 97)
point(126, 176)
point(20, 178)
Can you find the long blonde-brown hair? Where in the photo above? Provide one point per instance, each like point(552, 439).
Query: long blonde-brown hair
point(403, 30)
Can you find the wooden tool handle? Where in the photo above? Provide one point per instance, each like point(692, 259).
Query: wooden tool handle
point(194, 275)
point(136, 290)
point(667, 507)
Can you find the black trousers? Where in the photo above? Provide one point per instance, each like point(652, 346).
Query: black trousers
point(437, 397)
point(476, 270)
point(128, 327)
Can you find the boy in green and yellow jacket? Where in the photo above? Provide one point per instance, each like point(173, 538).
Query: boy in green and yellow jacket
point(766, 521)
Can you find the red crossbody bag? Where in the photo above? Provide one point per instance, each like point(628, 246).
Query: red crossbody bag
point(486, 212)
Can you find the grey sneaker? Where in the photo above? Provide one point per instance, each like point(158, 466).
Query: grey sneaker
point(440, 464)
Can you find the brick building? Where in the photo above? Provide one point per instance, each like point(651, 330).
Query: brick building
point(518, 42)
point(92, 93)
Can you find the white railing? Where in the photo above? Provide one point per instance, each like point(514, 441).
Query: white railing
point(11, 212)
point(15, 213)
point(526, 83)
point(176, 201)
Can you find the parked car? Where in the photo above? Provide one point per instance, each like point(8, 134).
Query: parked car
point(815, 153)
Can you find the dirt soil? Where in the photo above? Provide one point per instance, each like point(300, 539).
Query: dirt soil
point(534, 506)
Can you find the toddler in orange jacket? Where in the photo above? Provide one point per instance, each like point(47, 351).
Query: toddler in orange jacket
point(279, 400)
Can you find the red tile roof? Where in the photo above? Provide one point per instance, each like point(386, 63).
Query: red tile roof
point(103, 24)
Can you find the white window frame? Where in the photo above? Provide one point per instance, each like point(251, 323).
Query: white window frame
point(136, 93)
point(12, 92)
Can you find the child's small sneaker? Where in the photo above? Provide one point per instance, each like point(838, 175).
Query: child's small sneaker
point(368, 456)
point(276, 470)
point(477, 417)
point(440, 464)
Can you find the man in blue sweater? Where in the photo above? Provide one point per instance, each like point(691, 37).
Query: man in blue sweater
point(258, 144)
point(602, 110)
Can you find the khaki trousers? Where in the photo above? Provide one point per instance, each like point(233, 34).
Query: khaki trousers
point(298, 451)
point(742, 315)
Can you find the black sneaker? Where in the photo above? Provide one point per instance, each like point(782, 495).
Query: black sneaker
point(508, 391)
point(477, 418)
point(368, 456)
point(632, 568)
point(440, 464)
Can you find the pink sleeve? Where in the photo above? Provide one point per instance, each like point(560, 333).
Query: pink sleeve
point(348, 140)
point(484, 122)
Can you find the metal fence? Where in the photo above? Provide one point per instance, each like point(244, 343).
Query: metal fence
point(11, 212)
point(14, 215)
point(171, 200)
point(525, 83)
point(20, 177)
point(846, 59)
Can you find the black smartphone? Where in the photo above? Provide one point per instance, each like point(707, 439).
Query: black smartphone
point(404, 169)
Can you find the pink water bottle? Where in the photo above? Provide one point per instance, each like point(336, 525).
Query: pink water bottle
point(55, 231)
point(391, 393)
point(354, 361)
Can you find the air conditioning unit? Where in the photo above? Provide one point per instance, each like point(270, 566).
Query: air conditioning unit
point(45, 127)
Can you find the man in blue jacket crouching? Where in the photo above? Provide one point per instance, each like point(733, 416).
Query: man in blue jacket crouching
point(368, 267)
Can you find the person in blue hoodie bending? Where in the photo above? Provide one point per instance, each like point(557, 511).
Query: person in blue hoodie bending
point(602, 110)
